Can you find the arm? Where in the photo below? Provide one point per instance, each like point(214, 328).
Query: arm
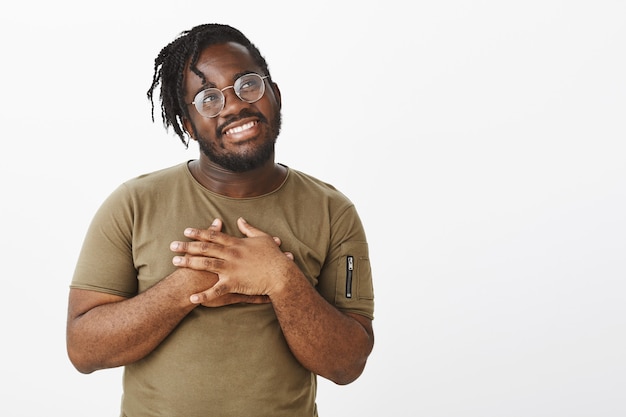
point(106, 331)
point(325, 341)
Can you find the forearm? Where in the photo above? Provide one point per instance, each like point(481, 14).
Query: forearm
point(323, 339)
point(119, 331)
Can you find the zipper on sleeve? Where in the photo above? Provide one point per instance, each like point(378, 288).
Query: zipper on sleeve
point(349, 269)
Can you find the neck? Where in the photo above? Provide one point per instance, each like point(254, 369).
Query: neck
point(256, 182)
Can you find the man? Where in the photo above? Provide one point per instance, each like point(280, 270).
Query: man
point(237, 318)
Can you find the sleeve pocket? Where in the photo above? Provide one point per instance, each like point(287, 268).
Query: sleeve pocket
point(354, 273)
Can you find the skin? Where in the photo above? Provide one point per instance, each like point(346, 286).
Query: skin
point(217, 269)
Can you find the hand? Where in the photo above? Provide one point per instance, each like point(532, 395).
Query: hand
point(249, 266)
point(228, 299)
point(195, 280)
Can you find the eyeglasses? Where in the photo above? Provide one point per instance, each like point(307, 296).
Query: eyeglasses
point(249, 88)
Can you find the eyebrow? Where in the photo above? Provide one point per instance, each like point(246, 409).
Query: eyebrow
point(209, 84)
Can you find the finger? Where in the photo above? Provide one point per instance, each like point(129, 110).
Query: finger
point(178, 246)
point(217, 224)
point(211, 233)
point(197, 248)
point(183, 247)
point(289, 255)
point(199, 263)
point(202, 298)
point(206, 297)
point(247, 229)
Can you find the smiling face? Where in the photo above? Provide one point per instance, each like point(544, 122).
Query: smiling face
point(242, 136)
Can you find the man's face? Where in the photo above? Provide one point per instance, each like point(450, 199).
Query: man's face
point(242, 136)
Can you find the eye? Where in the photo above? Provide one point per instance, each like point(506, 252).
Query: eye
point(248, 85)
point(209, 97)
point(249, 82)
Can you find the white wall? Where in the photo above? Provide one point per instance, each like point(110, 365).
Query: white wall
point(483, 143)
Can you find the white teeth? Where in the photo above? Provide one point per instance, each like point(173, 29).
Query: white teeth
point(240, 128)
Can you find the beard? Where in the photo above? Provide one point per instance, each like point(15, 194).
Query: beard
point(248, 160)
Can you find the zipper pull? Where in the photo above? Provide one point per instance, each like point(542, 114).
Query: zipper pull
point(349, 269)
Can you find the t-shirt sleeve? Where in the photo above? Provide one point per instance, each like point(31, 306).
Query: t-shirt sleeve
point(105, 262)
point(346, 278)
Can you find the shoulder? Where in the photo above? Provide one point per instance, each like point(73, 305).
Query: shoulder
point(306, 183)
point(145, 188)
point(158, 178)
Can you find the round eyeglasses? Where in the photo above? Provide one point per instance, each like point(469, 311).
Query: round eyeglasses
point(249, 88)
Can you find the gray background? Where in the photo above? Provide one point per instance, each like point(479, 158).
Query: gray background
point(483, 143)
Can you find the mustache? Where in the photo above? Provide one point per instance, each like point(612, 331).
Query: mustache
point(245, 113)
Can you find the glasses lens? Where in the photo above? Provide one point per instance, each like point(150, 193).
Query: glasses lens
point(209, 102)
point(250, 87)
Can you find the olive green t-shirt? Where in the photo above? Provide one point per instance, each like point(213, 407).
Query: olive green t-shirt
point(232, 360)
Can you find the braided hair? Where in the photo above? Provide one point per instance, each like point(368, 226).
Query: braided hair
point(170, 65)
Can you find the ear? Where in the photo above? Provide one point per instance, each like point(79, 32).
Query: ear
point(188, 126)
point(276, 91)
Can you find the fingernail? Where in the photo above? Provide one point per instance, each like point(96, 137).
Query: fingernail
point(215, 222)
point(194, 299)
point(177, 260)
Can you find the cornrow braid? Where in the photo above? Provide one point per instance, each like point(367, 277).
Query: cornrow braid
point(170, 65)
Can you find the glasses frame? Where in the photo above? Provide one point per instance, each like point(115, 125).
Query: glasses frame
point(197, 100)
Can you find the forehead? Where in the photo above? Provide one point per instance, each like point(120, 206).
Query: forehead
point(221, 63)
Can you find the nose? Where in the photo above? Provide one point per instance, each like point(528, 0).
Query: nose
point(232, 103)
